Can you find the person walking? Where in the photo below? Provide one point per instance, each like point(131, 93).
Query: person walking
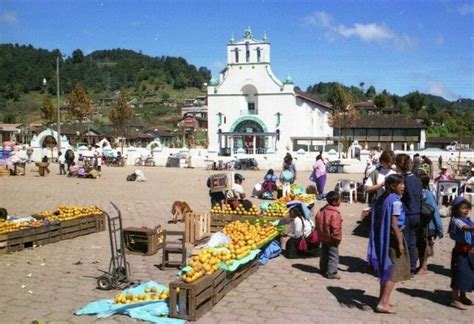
point(319, 173)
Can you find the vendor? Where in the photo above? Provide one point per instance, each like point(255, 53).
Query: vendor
point(268, 185)
point(237, 195)
point(300, 225)
point(443, 175)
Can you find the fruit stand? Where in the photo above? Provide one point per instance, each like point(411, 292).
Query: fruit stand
point(212, 273)
point(48, 227)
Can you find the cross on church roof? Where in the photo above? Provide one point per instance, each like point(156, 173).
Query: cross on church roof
point(248, 33)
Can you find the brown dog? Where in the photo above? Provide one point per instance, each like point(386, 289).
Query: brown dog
point(178, 210)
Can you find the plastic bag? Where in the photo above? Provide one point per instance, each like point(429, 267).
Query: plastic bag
point(218, 238)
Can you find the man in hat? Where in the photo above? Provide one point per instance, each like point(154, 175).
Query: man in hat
point(444, 175)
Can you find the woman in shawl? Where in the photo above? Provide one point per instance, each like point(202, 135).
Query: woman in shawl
point(387, 252)
point(301, 225)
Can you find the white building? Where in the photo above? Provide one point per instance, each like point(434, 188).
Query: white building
point(249, 108)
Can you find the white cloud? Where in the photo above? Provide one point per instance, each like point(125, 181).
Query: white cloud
point(438, 88)
point(367, 32)
point(370, 32)
point(319, 18)
point(466, 9)
point(9, 17)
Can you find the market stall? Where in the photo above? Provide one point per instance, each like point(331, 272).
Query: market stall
point(18, 233)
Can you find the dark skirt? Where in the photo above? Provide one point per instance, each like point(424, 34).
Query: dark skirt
point(291, 252)
point(462, 271)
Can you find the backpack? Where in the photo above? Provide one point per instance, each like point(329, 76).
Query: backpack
point(426, 214)
point(287, 176)
point(69, 155)
point(372, 196)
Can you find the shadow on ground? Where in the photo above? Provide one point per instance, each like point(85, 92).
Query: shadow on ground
point(363, 228)
point(442, 297)
point(305, 268)
point(439, 269)
point(354, 298)
point(355, 264)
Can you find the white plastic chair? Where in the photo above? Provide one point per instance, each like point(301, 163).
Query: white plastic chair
point(349, 186)
point(449, 189)
point(469, 195)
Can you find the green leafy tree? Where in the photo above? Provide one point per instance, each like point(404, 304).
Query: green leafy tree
point(416, 101)
point(343, 114)
point(371, 92)
point(47, 110)
point(382, 100)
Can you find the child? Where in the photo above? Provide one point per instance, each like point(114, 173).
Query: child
point(286, 179)
point(431, 230)
point(387, 252)
point(461, 230)
point(329, 227)
point(62, 164)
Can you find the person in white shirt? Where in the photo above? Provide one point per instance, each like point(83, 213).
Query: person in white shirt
point(237, 191)
point(301, 225)
point(376, 188)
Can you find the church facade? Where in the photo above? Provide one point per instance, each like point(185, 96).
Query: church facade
point(251, 111)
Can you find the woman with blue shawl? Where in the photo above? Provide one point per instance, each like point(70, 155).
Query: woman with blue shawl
point(301, 225)
point(387, 253)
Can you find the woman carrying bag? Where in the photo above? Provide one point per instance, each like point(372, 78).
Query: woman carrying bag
point(303, 240)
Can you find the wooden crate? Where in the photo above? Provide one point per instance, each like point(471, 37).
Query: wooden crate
point(197, 227)
point(231, 280)
point(218, 221)
point(145, 241)
point(17, 241)
point(100, 223)
point(193, 299)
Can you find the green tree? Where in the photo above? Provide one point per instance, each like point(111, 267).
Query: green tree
point(47, 110)
point(371, 92)
point(343, 114)
point(9, 118)
point(120, 113)
point(382, 100)
point(416, 101)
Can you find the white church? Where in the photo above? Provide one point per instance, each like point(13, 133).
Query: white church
point(251, 111)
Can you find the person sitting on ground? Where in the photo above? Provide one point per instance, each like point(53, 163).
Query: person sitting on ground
point(461, 230)
point(329, 227)
point(73, 170)
point(268, 185)
point(444, 175)
point(301, 225)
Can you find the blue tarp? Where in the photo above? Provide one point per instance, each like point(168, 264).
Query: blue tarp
point(151, 311)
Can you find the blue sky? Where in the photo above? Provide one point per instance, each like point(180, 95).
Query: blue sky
point(400, 46)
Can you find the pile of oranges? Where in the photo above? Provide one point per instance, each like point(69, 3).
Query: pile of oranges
point(206, 262)
point(149, 295)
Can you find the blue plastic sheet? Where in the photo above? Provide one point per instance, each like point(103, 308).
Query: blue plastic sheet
point(269, 251)
point(152, 311)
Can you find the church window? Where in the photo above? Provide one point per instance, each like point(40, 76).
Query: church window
point(259, 54)
point(247, 52)
point(251, 108)
point(236, 55)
